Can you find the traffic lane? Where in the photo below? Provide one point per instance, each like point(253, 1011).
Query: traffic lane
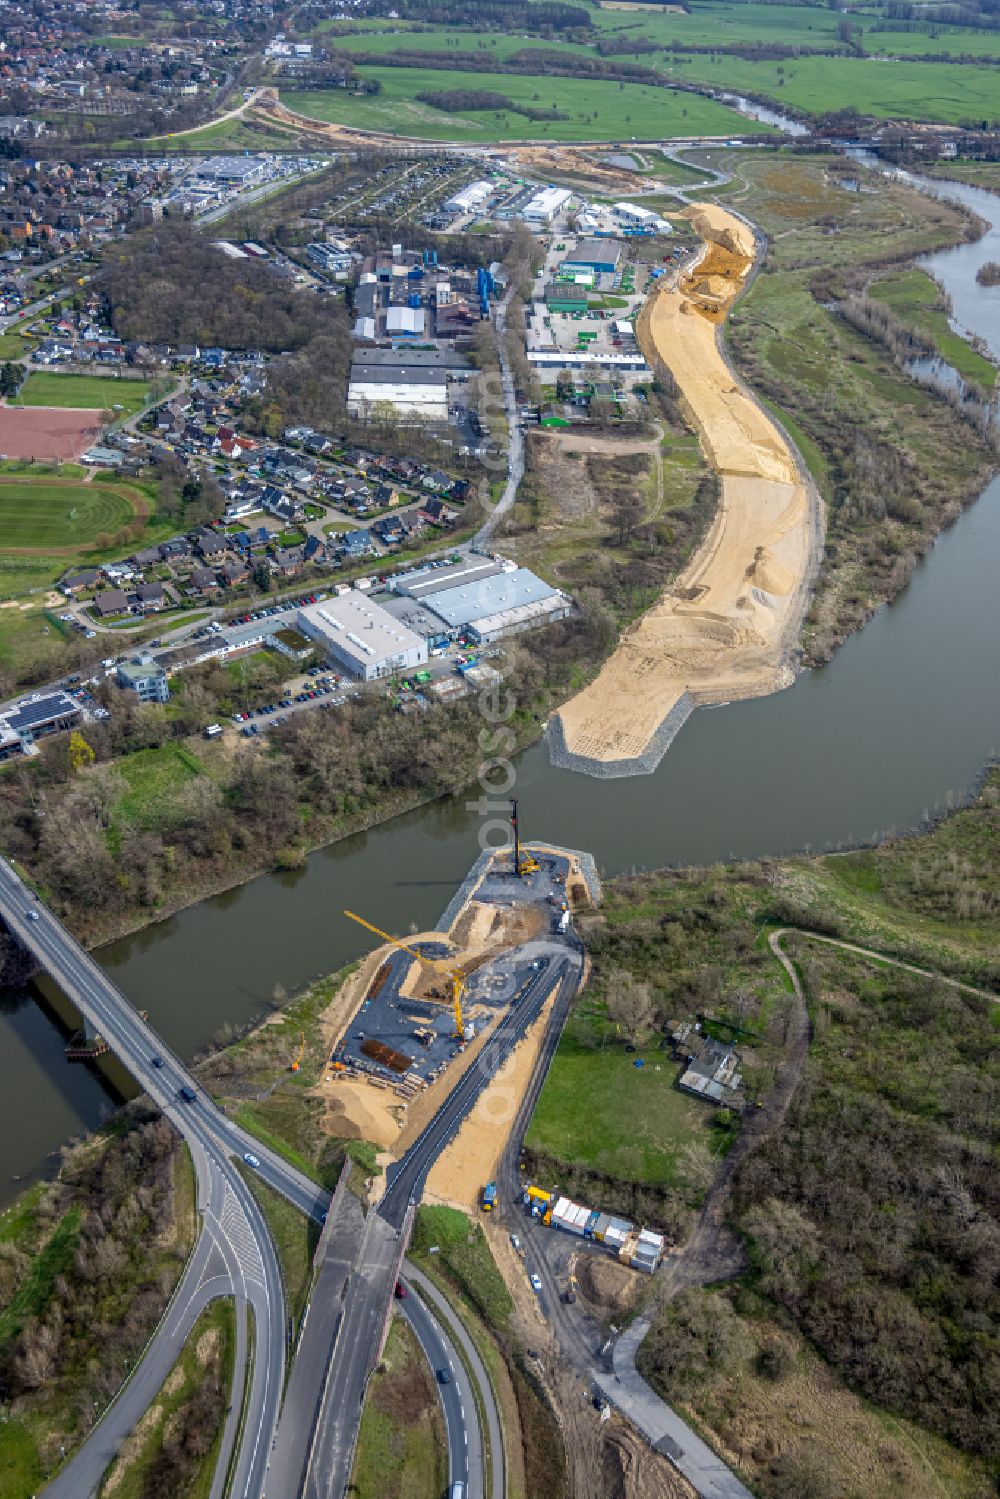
point(458, 1402)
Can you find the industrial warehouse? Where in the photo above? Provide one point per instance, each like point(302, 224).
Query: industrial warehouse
point(477, 599)
point(481, 598)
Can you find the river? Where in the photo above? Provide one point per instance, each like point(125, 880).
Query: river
point(897, 727)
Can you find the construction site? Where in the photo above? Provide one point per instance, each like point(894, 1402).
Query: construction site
point(728, 625)
point(422, 1009)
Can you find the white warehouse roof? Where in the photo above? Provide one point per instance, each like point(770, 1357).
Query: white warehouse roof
point(404, 320)
point(360, 630)
point(469, 197)
point(487, 597)
point(546, 204)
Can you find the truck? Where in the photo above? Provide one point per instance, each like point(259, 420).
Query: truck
point(489, 1198)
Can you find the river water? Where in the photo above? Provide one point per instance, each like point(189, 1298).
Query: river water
point(897, 727)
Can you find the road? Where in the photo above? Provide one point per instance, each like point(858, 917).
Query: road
point(515, 437)
point(234, 1254)
point(452, 1332)
point(458, 1400)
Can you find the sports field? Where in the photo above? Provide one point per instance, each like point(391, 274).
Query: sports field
point(47, 431)
point(85, 392)
point(596, 111)
point(64, 516)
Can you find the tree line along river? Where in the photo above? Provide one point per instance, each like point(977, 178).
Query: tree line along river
point(896, 727)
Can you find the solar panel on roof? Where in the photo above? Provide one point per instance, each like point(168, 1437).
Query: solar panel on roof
point(43, 710)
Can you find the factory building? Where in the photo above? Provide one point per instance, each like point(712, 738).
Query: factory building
point(470, 198)
point(541, 209)
point(405, 322)
point(412, 391)
point(602, 256)
point(488, 602)
point(361, 637)
point(424, 581)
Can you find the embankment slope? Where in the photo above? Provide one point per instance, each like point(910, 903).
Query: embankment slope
point(727, 625)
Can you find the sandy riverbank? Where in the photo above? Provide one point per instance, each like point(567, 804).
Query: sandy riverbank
point(727, 625)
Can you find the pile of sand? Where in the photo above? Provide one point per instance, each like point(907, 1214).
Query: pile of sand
point(723, 629)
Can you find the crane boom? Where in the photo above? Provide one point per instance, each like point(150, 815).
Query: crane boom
point(454, 974)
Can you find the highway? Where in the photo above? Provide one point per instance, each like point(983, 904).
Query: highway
point(458, 1400)
point(546, 965)
point(234, 1254)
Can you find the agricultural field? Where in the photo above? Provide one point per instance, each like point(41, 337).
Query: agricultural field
point(85, 392)
point(946, 93)
point(885, 82)
point(597, 111)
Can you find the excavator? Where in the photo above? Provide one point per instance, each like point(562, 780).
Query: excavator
point(455, 975)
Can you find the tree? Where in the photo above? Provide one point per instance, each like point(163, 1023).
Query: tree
point(630, 1006)
point(79, 752)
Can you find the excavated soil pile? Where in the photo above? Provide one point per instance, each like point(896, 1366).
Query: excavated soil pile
point(606, 1284)
point(724, 629)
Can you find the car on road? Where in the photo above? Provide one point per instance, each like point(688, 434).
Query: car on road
point(444, 1376)
point(515, 1243)
point(536, 1284)
point(251, 1159)
point(187, 1094)
point(401, 1292)
point(31, 914)
point(156, 1061)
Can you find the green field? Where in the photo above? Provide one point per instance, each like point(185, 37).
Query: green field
point(945, 92)
point(13, 346)
point(598, 1109)
point(65, 517)
point(916, 298)
point(90, 392)
point(597, 111)
point(156, 780)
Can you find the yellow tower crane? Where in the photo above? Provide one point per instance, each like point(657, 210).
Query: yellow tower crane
point(456, 977)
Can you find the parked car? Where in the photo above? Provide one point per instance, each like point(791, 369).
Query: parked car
point(536, 1284)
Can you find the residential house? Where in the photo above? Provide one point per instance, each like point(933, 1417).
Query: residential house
point(112, 601)
point(78, 582)
point(288, 560)
point(357, 543)
point(436, 513)
point(150, 597)
point(233, 572)
point(203, 580)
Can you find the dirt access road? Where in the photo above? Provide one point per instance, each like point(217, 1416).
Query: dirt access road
point(728, 625)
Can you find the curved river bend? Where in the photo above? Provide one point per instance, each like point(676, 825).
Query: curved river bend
point(897, 726)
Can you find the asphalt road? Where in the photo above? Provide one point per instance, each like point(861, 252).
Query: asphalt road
point(458, 1400)
point(453, 1333)
point(234, 1254)
point(405, 1180)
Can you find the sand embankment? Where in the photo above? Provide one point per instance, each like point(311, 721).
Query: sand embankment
point(726, 627)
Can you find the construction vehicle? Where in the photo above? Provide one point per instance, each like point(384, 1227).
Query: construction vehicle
point(526, 865)
point(488, 1201)
point(302, 1051)
point(454, 974)
point(569, 1295)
